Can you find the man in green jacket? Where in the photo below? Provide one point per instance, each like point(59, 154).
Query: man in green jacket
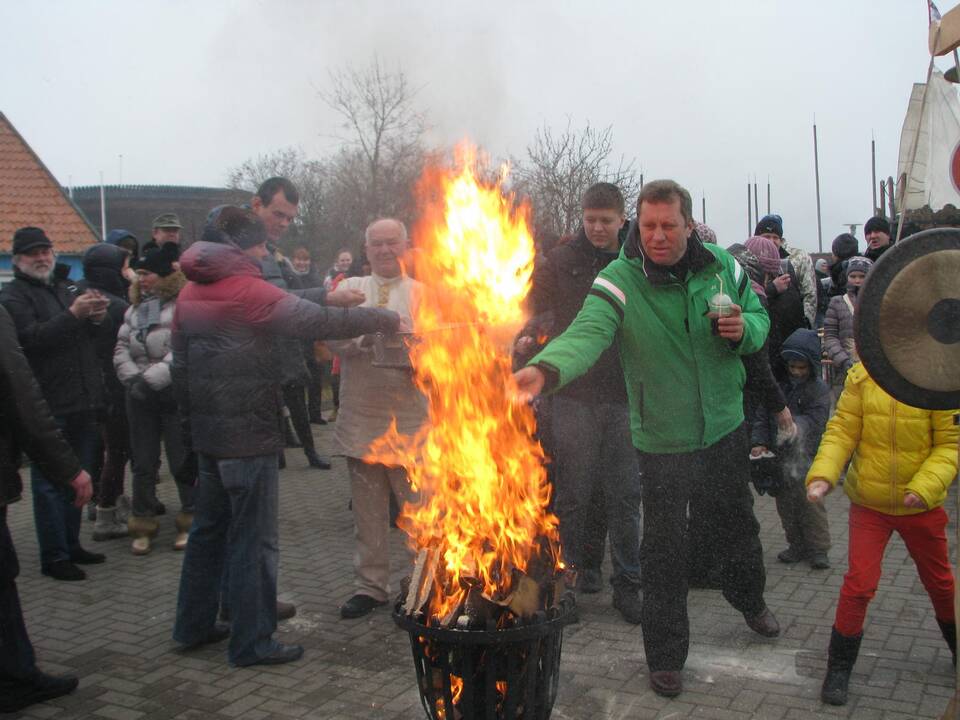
point(682, 313)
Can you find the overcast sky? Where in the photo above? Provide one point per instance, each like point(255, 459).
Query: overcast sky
point(708, 93)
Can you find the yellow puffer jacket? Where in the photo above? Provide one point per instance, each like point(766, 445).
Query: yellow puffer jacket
point(896, 448)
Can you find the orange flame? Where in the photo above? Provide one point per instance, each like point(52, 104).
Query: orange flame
point(483, 490)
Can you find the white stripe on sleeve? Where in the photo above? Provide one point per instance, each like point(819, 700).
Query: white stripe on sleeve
point(612, 289)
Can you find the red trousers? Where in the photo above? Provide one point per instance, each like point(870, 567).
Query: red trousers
point(924, 535)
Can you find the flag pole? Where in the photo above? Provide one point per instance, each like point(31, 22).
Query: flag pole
point(816, 172)
point(873, 172)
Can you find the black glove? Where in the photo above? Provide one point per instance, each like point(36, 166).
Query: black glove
point(766, 475)
point(139, 390)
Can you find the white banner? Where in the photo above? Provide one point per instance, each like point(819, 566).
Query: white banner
point(935, 178)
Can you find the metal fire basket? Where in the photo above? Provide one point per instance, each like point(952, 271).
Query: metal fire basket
point(508, 673)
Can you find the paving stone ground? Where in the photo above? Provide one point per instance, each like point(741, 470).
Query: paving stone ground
point(113, 630)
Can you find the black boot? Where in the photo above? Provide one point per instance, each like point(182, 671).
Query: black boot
point(949, 631)
point(842, 655)
point(315, 460)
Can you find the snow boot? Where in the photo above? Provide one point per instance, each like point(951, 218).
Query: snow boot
point(840, 660)
point(183, 522)
point(108, 527)
point(142, 530)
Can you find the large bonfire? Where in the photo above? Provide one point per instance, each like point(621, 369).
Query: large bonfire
point(482, 513)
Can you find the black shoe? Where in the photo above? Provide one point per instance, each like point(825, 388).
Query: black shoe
point(283, 654)
point(316, 461)
point(63, 570)
point(589, 581)
point(358, 606)
point(85, 557)
point(949, 632)
point(285, 610)
point(317, 420)
point(38, 688)
point(628, 601)
point(763, 623)
point(219, 631)
point(667, 683)
point(791, 555)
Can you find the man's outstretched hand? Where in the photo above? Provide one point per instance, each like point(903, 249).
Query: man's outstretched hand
point(345, 297)
point(529, 382)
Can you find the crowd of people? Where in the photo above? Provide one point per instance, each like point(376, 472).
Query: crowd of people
point(666, 372)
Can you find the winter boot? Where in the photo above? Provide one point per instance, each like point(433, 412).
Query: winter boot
point(183, 522)
point(949, 630)
point(108, 527)
point(142, 530)
point(840, 659)
point(316, 461)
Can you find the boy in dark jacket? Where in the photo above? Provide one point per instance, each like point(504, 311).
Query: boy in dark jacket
point(808, 398)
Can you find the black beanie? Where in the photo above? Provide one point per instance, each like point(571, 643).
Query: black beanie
point(242, 227)
point(770, 224)
point(159, 260)
point(876, 223)
point(844, 246)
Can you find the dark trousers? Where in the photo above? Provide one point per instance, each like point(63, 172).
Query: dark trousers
point(315, 386)
point(115, 440)
point(714, 481)
point(17, 660)
point(294, 397)
point(151, 422)
point(56, 518)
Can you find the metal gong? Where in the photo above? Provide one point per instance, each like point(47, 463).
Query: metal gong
point(907, 325)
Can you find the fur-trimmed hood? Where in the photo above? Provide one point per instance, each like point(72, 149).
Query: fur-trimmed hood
point(167, 288)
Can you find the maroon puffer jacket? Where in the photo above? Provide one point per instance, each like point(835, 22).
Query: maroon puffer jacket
point(226, 319)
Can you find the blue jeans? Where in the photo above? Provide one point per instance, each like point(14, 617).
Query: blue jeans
point(56, 518)
point(234, 526)
point(592, 447)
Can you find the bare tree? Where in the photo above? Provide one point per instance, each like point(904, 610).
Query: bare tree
point(559, 167)
point(376, 171)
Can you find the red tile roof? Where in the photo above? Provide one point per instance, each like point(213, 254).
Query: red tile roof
point(31, 195)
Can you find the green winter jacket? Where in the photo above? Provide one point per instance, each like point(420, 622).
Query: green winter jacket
point(685, 384)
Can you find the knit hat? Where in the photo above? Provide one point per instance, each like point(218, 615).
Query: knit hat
point(858, 263)
point(28, 238)
point(877, 222)
point(767, 253)
point(159, 260)
point(705, 233)
point(242, 227)
point(770, 224)
point(751, 264)
point(844, 246)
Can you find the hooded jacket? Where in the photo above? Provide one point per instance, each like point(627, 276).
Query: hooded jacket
point(560, 285)
point(809, 403)
point(26, 423)
point(684, 384)
point(226, 320)
point(895, 448)
point(103, 271)
point(61, 349)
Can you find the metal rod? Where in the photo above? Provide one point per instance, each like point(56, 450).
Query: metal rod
point(756, 205)
point(816, 172)
point(703, 211)
point(873, 173)
point(749, 212)
point(103, 210)
point(768, 194)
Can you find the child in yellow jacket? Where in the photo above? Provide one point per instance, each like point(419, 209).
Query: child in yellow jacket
point(903, 461)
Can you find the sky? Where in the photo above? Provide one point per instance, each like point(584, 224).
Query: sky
point(711, 94)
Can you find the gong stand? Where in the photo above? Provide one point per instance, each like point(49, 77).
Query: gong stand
point(907, 329)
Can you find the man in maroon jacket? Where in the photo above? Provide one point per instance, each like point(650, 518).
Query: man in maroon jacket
point(226, 321)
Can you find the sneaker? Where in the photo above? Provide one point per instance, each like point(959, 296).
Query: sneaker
point(63, 570)
point(108, 527)
point(358, 606)
point(590, 581)
point(628, 601)
point(39, 687)
point(791, 555)
point(819, 560)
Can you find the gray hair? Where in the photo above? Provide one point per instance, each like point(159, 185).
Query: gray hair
point(366, 233)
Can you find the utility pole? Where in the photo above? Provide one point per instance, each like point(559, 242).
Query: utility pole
point(816, 171)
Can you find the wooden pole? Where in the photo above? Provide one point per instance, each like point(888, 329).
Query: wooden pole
point(756, 204)
point(873, 173)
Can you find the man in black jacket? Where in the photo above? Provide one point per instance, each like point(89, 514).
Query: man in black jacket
point(58, 327)
point(26, 424)
point(226, 321)
point(590, 419)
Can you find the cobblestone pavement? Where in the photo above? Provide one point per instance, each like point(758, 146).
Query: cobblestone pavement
point(113, 630)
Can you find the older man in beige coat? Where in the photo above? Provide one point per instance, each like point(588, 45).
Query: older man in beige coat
point(370, 398)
